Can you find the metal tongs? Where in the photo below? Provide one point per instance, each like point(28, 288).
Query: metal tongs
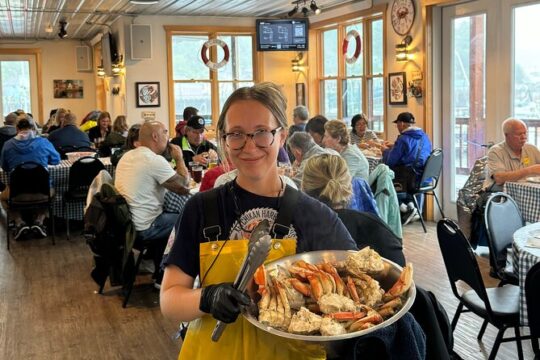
point(258, 249)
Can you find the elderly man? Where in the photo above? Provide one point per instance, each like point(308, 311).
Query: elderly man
point(304, 147)
point(300, 119)
point(194, 146)
point(24, 147)
point(69, 134)
point(8, 130)
point(411, 149)
point(512, 159)
point(142, 176)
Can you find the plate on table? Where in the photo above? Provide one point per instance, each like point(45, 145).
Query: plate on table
point(386, 279)
point(534, 179)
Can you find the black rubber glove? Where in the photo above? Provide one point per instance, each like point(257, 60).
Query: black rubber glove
point(223, 301)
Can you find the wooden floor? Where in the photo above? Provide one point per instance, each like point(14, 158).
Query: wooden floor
point(49, 308)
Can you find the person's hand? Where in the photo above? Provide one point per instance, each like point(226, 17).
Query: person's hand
point(363, 146)
point(202, 158)
point(213, 155)
point(176, 152)
point(223, 301)
point(534, 169)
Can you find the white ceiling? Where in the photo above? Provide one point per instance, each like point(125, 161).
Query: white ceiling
point(29, 19)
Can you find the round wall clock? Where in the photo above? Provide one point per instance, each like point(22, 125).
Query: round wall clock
point(402, 16)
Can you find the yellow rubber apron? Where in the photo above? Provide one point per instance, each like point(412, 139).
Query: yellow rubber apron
point(240, 340)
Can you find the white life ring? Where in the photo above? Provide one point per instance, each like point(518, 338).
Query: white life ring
point(212, 65)
point(352, 34)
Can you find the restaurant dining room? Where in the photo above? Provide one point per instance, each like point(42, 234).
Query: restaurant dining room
point(285, 179)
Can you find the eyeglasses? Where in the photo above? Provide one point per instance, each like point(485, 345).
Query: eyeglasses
point(261, 138)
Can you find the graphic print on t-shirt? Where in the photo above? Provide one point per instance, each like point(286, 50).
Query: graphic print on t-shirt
point(251, 218)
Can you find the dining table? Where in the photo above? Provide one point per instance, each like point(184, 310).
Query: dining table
point(526, 194)
point(525, 253)
point(60, 182)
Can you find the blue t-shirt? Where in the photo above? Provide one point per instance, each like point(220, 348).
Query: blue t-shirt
point(314, 225)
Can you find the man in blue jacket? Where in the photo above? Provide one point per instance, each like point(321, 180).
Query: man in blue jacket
point(24, 147)
point(412, 148)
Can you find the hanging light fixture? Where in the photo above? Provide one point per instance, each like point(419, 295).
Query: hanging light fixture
point(143, 2)
point(305, 8)
point(62, 34)
point(402, 49)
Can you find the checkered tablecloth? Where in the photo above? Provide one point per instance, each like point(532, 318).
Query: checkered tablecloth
point(527, 197)
point(373, 162)
point(60, 177)
point(175, 203)
point(524, 258)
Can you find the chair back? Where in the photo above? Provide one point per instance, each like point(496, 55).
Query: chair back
point(29, 178)
point(459, 260)
point(83, 172)
point(502, 218)
point(432, 169)
point(532, 296)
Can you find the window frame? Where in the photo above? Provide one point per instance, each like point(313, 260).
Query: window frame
point(367, 77)
point(39, 79)
point(212, 33)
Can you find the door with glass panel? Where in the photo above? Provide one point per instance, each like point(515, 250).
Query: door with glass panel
point(490, 72)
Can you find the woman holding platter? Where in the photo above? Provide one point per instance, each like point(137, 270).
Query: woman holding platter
point(211, 238)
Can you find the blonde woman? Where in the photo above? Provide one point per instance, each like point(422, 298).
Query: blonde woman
point(336, 137)
point(250, 129)
point(56, 121)
point(326, 178)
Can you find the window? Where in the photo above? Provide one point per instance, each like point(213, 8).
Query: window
point(348, 89)
point(526, 84)
point(15, 86)
point(194, 84)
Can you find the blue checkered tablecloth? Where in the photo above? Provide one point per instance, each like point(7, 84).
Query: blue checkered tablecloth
point(527, 197)
point(60, 177)
point(524, 258)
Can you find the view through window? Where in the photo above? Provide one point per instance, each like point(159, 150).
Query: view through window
point(346, 88)
point(196, 85)
point(15, 86)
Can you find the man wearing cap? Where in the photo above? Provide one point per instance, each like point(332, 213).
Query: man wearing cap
point(412, 148)
point(195, 147)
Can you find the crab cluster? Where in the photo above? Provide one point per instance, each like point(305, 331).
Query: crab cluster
point(329, 298)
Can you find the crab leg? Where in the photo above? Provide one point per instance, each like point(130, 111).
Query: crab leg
point(330, 269)
point(300, 286)
point(366, 322)
point(346, 316)
point(316, 286)
point(352, 289)
point(402, 284)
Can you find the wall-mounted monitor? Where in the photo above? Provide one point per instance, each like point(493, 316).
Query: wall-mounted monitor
point(282, 34)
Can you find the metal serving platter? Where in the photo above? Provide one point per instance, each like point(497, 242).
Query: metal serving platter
point(386, 279)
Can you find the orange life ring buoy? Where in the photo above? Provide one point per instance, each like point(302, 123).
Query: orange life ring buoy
point(352, 34)
point(212, 65)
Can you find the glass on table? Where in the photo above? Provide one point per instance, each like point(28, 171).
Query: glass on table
point(196, 173)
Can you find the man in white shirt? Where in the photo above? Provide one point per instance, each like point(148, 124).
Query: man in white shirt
point(512, 159)
point(142, 177)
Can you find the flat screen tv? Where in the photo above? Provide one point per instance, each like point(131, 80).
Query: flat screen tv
point(282, 34)
point(109, 52)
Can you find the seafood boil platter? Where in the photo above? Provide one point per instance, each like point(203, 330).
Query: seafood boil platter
point(326, 296)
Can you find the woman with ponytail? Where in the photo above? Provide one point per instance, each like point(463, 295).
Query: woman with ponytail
point(326, 178)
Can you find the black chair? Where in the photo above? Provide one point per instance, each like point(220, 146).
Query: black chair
point(81, 175)
point(532, 296)
point(497, 306)
point(429, 181)
point(63, 150)
point(30, 178)
point(502, 218)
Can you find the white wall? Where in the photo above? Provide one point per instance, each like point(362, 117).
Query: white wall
point(59, 62)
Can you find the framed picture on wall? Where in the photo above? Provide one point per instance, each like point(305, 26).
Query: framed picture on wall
point(68, 89)
point(397, 92)
point(148, 94)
